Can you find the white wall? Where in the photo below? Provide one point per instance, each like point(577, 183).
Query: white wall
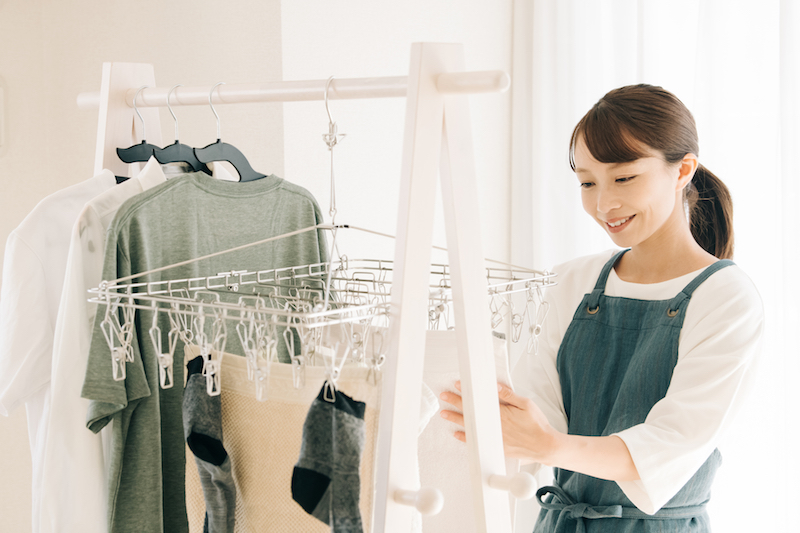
point(363, 39)
point(50, 51)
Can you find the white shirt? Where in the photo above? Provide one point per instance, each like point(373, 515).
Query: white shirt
point(74, 495)
point(33, 274)
point(718, 344)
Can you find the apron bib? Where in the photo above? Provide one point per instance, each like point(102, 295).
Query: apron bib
point(615, 363)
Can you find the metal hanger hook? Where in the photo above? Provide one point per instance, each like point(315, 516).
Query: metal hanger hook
point(327, 109)
point(210, 94)
point(171, 112)
point(332, 137)
point(136, 109)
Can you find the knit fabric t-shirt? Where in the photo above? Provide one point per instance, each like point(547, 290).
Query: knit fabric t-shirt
point(185, 218)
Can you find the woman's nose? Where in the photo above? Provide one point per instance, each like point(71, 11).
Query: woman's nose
point(607, 200)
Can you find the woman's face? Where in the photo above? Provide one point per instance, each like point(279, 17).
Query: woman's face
point(636, 202)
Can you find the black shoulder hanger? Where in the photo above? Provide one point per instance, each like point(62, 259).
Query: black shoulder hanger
point(177, 152)
point(220, 151)
point(138, 153)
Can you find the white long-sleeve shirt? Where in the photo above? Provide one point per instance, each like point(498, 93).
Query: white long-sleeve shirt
point(33, 275)
point(718, 345)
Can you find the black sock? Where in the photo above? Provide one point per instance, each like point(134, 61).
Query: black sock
point(202, 427)
point(325, 480)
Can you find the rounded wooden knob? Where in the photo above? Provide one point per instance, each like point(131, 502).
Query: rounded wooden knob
point(521, 485)
point(427, 501)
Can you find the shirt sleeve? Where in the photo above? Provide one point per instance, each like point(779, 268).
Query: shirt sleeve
point(26, 329)
point(720, 340)
point(108, 396)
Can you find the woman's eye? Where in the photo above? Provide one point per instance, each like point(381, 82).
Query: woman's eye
point(586, 184)
point(625, 179)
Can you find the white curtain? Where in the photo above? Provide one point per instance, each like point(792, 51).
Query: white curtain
point(736, 65)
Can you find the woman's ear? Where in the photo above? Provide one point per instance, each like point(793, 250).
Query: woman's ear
point(686, 169)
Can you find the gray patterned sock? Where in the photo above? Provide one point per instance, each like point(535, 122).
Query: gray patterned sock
point(202, 427)
point(325, 480)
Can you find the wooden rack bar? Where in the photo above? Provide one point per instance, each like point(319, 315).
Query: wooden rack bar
point(297, 91)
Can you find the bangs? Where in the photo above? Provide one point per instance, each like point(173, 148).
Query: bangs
point(606, 138)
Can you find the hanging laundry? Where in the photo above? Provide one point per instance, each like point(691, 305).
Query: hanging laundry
point(181, 220)
point(325, 479)
point(33, 275)
point(74, 496)
point(202, 427)
point(263, 439)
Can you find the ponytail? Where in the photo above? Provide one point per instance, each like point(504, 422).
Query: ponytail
point(711, 213)
point(627, 120)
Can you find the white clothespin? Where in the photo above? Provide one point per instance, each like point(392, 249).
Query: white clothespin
point(114, 332)
point(212, 368)
point(165, 359)
point(333, 370)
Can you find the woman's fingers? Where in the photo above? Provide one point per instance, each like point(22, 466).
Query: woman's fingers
point(453, 399)
point(454, 417)
point(508, 396)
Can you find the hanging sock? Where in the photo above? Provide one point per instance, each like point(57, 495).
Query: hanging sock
point(202, 428)
point(325, 480)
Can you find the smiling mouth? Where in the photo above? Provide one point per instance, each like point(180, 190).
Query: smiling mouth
point(618, 225)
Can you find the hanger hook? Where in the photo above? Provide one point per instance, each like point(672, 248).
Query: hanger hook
point(333, 136)
point(327, 109)
point(210, 94)
point(136, 109)
point(171, 112)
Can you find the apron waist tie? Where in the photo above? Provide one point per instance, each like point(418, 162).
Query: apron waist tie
point(568, 509)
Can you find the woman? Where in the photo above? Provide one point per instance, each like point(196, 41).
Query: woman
point(648, 351)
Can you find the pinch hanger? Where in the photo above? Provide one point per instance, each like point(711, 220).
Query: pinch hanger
point(177, 152)
point(138, 153)
point(220, 151)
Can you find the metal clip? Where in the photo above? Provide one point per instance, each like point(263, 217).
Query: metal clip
point(330, 391)
point(497, 311)
point(262, 372)
point(118, 357)
point(298, 372)
point(374, 369)
point(517, 323)
point(165, 372)
point(211, 369)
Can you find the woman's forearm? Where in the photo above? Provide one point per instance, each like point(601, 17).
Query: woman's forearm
point(600, 457)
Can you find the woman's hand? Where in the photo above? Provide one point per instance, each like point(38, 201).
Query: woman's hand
point(527, 434)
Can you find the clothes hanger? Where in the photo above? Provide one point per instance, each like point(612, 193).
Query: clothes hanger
point(177, 152)
point(138, 153)
point(220, 151)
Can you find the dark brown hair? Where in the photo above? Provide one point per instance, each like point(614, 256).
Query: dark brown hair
point(626, 120)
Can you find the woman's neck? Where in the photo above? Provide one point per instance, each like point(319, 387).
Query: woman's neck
point(669, 255)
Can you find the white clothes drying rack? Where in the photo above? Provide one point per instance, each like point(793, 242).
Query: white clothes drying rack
point(437, 143)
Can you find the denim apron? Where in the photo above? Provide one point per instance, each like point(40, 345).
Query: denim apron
point(615, 362)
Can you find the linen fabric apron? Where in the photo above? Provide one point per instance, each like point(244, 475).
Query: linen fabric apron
point(615, 362)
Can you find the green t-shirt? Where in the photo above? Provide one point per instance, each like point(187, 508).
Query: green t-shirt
point(185, 218)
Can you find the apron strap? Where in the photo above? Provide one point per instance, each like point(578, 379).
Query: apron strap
point(686, 293)
point(568, 509)
point(600, 286)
